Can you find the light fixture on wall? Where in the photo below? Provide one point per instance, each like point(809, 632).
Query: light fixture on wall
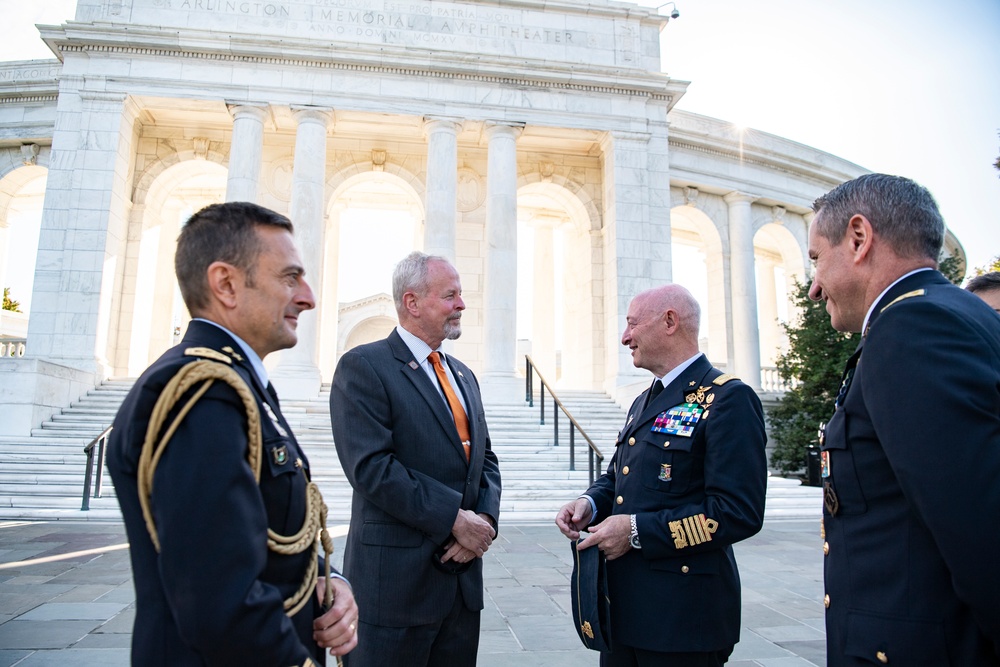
point(673, 12)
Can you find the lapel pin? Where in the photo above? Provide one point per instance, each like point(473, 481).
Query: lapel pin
point(414, 365)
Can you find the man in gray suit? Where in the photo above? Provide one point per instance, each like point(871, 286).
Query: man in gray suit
point(410, 431)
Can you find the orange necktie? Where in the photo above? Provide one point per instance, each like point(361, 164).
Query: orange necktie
point(461, 420)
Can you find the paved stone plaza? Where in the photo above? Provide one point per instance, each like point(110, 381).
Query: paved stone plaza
point(66, 597)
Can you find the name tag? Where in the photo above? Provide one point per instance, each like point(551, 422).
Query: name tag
point(679, 420)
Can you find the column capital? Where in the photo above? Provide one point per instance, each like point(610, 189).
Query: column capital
point(737, 197)
point(435, 124)
point(256, 110)
point(305, 113)
point(502, 127)
point(809, 217)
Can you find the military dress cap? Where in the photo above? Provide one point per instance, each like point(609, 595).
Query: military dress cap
point(590, 601)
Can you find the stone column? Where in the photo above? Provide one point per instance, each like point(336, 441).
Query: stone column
point(75, 302)
point(442, 186)
point(746, 338)
point(637, 242)
point(297, 375)
point(245, 151)
point(500, 289)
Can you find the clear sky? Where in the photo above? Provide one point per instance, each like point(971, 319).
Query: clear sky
point(910, 87)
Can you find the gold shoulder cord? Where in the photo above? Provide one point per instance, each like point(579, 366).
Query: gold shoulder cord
point(207, 372)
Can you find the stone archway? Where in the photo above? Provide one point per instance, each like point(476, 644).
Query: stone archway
point(556, 245)
point(779, 262)
point(374, 219)
point(151, 314)
point(703, 273)
point(22, 191)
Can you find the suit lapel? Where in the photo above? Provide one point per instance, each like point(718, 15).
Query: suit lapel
point(412, 371)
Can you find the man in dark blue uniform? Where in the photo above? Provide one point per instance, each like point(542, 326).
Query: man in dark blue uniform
point(911, 456)
point(687, 480)
point(209, 506)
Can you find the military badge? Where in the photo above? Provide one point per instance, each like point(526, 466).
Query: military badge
point(678, 420)
point(274, 418)
point(280, 455)
point(664, 472)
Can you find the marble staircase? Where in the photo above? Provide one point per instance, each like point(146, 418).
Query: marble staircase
point(41, 477)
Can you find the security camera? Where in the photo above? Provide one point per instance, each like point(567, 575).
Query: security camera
point(675, 14)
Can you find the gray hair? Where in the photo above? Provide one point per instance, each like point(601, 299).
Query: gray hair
point(900, 211)
point(410, 275)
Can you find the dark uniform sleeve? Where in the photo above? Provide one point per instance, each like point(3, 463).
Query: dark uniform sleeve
point(932, 385)
point(212, 525)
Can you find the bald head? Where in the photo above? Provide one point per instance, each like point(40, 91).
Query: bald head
point(662, 328)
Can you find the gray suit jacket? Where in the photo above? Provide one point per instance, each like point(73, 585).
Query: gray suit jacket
point(400, 450)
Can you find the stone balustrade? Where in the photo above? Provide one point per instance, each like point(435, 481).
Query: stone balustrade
point(12, 347)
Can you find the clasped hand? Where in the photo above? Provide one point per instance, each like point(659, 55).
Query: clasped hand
point(471, 537)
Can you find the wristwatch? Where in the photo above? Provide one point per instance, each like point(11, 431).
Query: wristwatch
point(634, 538)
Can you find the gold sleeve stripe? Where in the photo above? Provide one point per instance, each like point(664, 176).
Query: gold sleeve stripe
point(208, 353)
point(692, 530)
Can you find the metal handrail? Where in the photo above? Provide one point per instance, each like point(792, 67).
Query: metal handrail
point(100, 442)
point(594, 455)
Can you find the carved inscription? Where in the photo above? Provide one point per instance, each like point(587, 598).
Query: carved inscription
point(429, 23)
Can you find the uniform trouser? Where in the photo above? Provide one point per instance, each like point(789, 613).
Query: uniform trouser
point(452, 642)
point(626, 656)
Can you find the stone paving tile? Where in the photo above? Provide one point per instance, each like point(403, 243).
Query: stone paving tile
point(113, 657)
point(577, 658)
point(782, 634)
point(498, 641)
point(10, 657)
point(545, 633)
point(520, 601)
point(73, 611)
point(754, 647)
point(44, 634)
point(120, 624)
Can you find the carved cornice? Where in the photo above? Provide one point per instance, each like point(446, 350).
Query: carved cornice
point(650, 92)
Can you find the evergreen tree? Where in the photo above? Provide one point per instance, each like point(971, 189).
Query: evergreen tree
point(813, 364)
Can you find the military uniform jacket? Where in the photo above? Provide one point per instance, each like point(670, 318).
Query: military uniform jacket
point(400, 449)
point(913, 485)
point(696, 488)
point(214, 594)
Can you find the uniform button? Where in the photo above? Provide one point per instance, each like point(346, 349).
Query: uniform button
point(666, 444)
point(826, 548)
point(619, 500)
point(625, 470)
point(685, 569)
point(631, 441)
point(882, 657)
point(826, 601)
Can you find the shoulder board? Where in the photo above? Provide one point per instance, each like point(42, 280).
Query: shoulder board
point(916, 292)
point(724, 378)
point(208, 353)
